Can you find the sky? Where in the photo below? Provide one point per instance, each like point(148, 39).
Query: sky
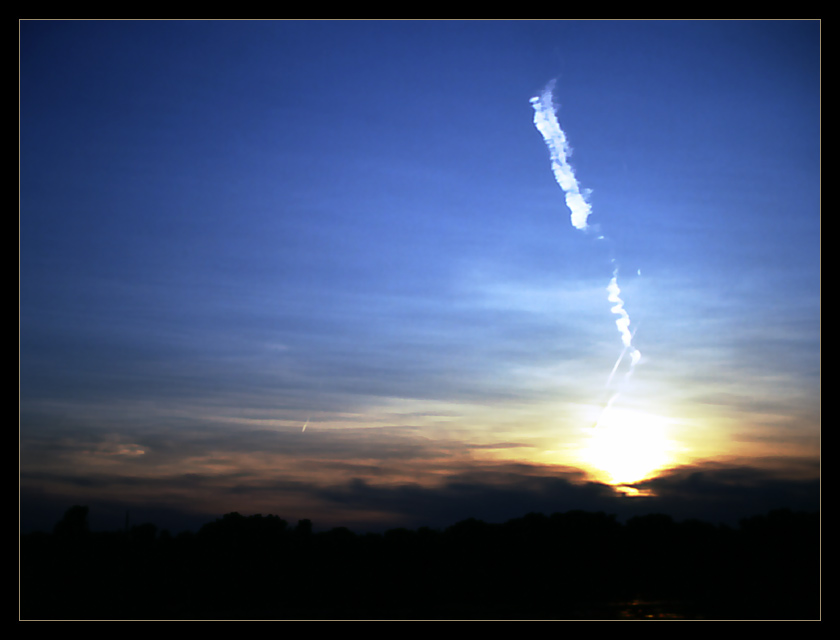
point(323, 270)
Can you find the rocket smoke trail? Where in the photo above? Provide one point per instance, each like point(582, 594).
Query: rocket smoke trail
point(546, 122)
point(545, 119)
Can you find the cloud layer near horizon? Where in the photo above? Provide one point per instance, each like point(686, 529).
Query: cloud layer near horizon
point(403, 479)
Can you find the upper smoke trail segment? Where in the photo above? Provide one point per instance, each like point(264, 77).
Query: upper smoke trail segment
point(546, 122)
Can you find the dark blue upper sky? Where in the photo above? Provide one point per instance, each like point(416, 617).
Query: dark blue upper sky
point(229, 230)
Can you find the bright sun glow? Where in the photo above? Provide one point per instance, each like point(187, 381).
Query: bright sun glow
point(627, 446)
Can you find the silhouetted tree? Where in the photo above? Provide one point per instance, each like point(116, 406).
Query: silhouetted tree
point(304, 528)
point(74, 524)
point(567, 565)
point(143, 533)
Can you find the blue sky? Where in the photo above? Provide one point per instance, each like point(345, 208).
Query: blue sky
point(230, 231)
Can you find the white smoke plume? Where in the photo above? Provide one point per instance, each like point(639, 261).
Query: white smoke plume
point(545, 119)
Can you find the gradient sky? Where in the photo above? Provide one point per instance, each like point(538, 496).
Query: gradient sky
point(323, 270)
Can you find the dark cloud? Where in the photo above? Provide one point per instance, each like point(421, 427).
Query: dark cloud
point(413, 505)
point(715, 492)
point(710, 492)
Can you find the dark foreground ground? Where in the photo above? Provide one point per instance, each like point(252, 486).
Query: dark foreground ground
point(574, 565)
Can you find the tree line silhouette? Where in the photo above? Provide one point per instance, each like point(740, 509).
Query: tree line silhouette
point(578, 565)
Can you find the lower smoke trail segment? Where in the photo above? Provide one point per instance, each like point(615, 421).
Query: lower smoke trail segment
point(545, 119)
point(623, 322)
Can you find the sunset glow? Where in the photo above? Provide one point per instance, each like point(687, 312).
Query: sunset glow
point(627, 446)
point(356, 272)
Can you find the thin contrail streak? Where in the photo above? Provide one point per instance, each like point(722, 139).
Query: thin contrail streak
point(633, 362)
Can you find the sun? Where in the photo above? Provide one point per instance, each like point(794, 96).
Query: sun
point(626, 446)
